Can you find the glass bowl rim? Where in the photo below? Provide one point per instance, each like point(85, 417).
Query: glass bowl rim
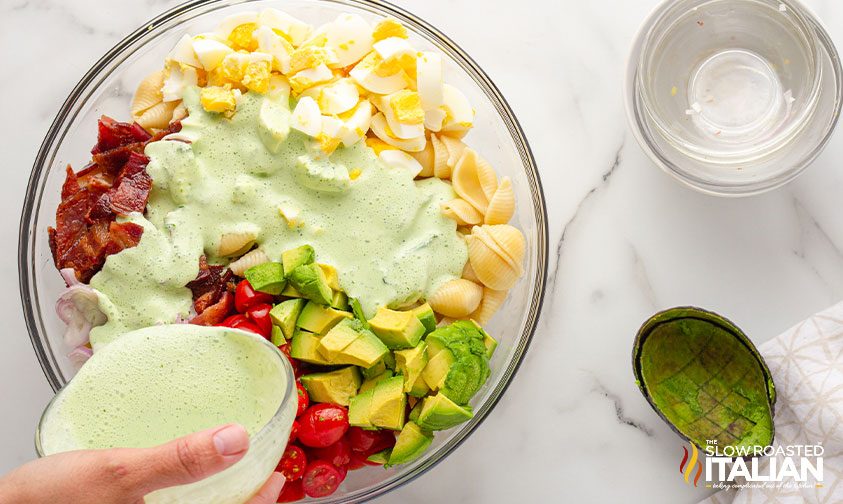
point(55, 133)
point(262, 433)
point(643, 135)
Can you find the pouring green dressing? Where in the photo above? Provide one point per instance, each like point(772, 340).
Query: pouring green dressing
point(383, 231)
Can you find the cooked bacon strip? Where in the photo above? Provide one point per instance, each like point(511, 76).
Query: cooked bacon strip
point(209, 285)
point(217, 312)
point(131, 188)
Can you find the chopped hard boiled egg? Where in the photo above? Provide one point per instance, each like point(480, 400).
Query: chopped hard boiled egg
point(276, 46)
point(356, 124)
point(389, 28)
point(178, 77)
point(306, 117)
point(183, 52)
point(402, 161)
point(295, 31)
point(234, 21)
point(381, 129)
point(350, 37)
point(459, 113)
point(218, 99)
point(373, 76)
point(210, 52)
point(310, 77)
point(403, 113)
point(335, 97)
point(394, 47)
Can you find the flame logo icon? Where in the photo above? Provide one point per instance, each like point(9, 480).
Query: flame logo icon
point(686, 469)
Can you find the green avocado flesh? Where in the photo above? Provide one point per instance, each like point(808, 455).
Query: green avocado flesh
point(705, 378)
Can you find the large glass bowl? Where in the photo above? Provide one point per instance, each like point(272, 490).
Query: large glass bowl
point(107, 89)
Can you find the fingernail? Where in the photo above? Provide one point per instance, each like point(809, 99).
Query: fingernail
point(231, 440)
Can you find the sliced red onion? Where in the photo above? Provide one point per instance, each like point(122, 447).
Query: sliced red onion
point(78, 307)
point(80, 355)
point(69, 276)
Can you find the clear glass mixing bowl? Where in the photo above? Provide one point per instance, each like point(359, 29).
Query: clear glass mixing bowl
point(107, 89)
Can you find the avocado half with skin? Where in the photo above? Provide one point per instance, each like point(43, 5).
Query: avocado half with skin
point(705, 378)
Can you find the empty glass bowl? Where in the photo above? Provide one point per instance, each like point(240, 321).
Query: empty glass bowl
point(107, 89)
point(733, 97)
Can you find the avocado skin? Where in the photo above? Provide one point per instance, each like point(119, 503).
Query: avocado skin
point(310, 280)
point(670, 336)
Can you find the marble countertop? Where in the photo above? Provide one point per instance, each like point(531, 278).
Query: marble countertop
point(626, 240)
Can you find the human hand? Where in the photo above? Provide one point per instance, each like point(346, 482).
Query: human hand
point(125, 475)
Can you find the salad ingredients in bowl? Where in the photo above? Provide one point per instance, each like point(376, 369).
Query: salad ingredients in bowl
point(313, 184)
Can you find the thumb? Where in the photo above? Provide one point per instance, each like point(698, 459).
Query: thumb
point(190, 458)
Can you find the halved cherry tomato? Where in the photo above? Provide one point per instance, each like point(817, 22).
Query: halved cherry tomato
point(343, 472)
point(259, 315)
point(321, 479)
point(297, 367)
point(291, 492)
point(294, 431)
point(322, 425)
point(304, 399)
point(370, 441)
point(292, 463)
point(246, 297)
point(240, 322)
point(338, 453)
point(358, 460)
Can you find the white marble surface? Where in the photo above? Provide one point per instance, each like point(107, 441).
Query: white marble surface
point(625, 241)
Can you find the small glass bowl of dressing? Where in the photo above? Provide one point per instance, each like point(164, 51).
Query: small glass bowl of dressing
point(733, 97)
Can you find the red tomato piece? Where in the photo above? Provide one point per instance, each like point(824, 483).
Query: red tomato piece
point(291, 492)
point(304, 399)
point(358, 460)
point(338, 454)
point(370, 441)
point(294, 431)
point(322, 425)
point(343, 470)
point(246, 297)
point(292, 463)
point(321, 479)
point(259, 315)
point(297, 368)
point(241, 322)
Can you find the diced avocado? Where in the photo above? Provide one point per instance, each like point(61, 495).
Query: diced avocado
point(358, 311)
point(285, 314)
point(339, 337)
point(303, 347)
point(374, 370)
point(370, 383)
point(440, 413)
point(388, 404)
point(469, 369)
point(389, 360)
point(433, 347)
point(299, 256)
point(331, 276)
point(416, 411)
point(359, 408)
point(381, 457)
point(336, 387)
point(491, 344)
point(411, 363)
point(437, 369)
point(411, 443)
point(311, 282)
point(290, 291)
point(397, 329)
point(339, 301)
point(419, 387)
point(365, 351)
point(319, 319)
point(425, 315)
point(267, 277)
point(277, 337)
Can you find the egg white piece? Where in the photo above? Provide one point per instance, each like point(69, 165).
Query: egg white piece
point(210, 52)
point(380, 129)
point(399, 129)
point(364, 73)
point(335, 97)
point(460, 112)
point(297, 30)
point(279, 88)
point(355, 127)
point(429, 80)
point(306, 117)
point(231, 22)
point(183, 52)
point(311, 76)
point(393, 47)
point(177, 79)
point(271, 43)
point(402, 161)
point(350, 36)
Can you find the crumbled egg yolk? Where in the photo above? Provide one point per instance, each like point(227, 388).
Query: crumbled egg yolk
point(326, 143)
point(389, 28)
point(406, 105)
point(218, 99)
point(378, 145)
point(311, 56)
point(256, 76)
point(241, 37)
point(354, 173)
